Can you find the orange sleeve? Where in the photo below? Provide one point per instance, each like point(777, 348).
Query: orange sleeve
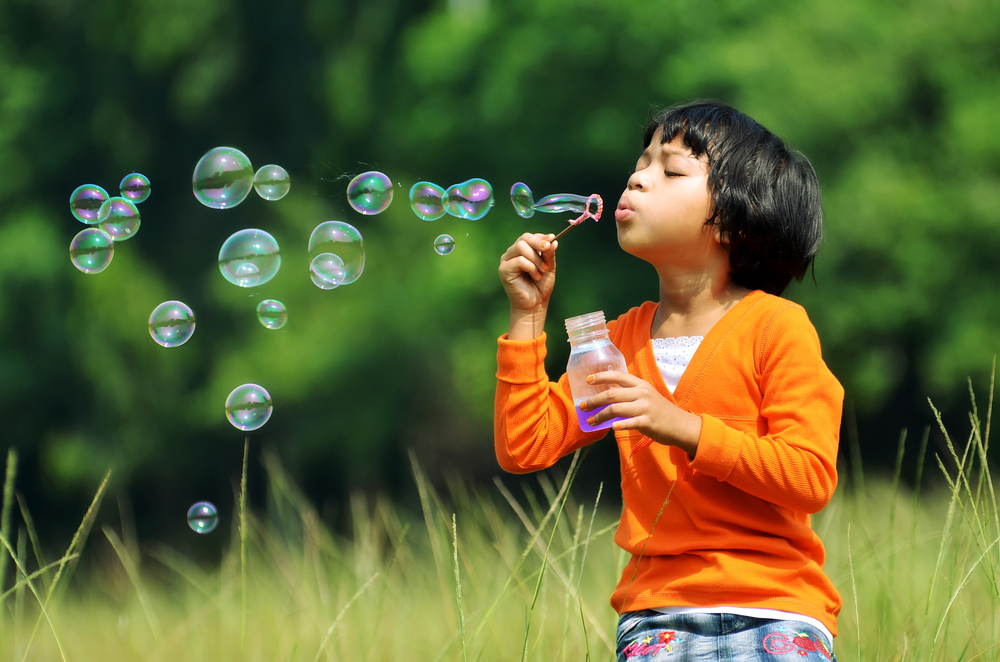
point(794, 463)
point(534, 422)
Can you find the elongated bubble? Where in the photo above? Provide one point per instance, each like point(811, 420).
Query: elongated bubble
point(444, 244)
point(119, 218)
point(344, 241)
point(91, 250)
point(472, 199)
point(560, 202)
point(271, 314)
point(135, 187)
point(427, 201)
point(272, 182)
point(370, 193)
point(222, 178)
point(203, 517)
point(249, 258)
point(248, 407)
point(85, 201)
point(171, 324)
point(522, 199)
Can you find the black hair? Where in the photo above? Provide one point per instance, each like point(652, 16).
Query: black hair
point(766, 196)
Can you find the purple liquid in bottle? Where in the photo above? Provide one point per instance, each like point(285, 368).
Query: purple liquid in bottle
point(582, 416)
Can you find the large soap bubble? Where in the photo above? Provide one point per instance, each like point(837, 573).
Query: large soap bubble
point(85, 201)
point(119, 218)
point(249, 258)
point(135, 187)
point(344, 241)
point(427, 201)
point(370, 193)
point(271, 314)
point(272, 182)
point(248, 407)
point(171, 324)
point(223, 178)
point(203, 517)
point(472, 199)
point(91, 250)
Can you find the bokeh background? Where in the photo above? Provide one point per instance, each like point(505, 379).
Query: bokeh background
point(895, 103)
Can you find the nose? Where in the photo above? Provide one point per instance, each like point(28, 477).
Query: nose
point(636, 181)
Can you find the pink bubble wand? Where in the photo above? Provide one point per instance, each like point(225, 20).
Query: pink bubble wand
point(596, 215)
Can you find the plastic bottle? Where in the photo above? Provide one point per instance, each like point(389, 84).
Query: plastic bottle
point(590, 351)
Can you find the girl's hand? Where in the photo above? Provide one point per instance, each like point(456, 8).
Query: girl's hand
point(644, 409)
point(528, 272)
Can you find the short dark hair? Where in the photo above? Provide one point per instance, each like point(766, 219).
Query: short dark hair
point(766, 196)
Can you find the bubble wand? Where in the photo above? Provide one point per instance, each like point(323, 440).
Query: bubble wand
point(525, 205)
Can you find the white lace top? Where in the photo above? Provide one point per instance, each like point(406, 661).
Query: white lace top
point(673, 355)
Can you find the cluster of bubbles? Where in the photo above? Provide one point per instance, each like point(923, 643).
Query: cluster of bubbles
point(525, 206)
point(223, 178)
point(112, 219)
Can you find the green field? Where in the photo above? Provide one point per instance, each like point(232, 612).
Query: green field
point(490, 575)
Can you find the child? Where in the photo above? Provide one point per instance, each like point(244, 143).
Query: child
point(731, 417)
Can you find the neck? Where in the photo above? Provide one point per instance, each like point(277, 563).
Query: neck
point(691, 302)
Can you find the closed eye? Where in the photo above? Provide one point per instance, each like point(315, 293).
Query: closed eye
point(669, 173)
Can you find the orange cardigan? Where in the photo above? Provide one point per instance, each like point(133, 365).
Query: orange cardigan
point(734, 529)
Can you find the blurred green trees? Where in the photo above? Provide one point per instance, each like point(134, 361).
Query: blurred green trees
point(895, 103)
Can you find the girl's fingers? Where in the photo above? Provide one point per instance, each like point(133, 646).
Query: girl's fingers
point(614, 377)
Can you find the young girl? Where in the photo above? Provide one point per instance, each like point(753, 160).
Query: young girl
point(730, 416)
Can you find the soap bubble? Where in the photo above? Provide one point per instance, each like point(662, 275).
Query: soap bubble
point(272, 314)
point(222, 178)
point(522, 199)
point(471, 199)
point(560, 202)
point(248, 407)
point(203, 517)
point(327, 271)
point(119, 218)
point(171, 324)
point(427, 201)
point(444, 244)
point(85, 201)
point(370, 193)
point(135, 187)
point(91, 250)
point(272, 182)
point(342, 240)
point(249, 258)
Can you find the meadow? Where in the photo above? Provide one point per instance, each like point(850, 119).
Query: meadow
point(483, 574)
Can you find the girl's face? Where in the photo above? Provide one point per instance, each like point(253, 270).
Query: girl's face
point(661, 215)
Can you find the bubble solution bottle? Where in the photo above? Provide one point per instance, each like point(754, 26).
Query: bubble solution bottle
point(591, 351)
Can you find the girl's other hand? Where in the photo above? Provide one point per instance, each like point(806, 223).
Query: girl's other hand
point(528, 272)
point(644, 409)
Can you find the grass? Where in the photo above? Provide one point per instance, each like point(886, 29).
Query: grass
point(487, 575)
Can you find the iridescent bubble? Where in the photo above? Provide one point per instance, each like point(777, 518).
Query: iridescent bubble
point(370, 193)
point(119, 218)
point(444, 244)
point(171, 324)
point(427, 201)
point(272, 314)
point(522, 199)
point(85, 201)
point(203, 517)
point(135, 187)
point(342, 240)
point(471, 199)
point(91, 250)
point(272, 182)
point(327, 271)
point(560, 202)
point(223, 178)
point(248, 407)
point(249, 258)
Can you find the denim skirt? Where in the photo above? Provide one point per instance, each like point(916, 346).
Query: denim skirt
point(649, 635)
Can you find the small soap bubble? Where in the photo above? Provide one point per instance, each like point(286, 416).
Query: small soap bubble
point(327, 271)
point(444, 244)
point(249, 258)
point(272, 182)
point(271, 314)
point(248, 407)
point(223, 178)
point(171, 324)
point(91, 250)
point(119, 218)
point(472, 199)
point(370, 193)
point(522, 199)
point(85, 201)
point(203, 517)
point(135, 187)
point(427, 201)
point(342, 240)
